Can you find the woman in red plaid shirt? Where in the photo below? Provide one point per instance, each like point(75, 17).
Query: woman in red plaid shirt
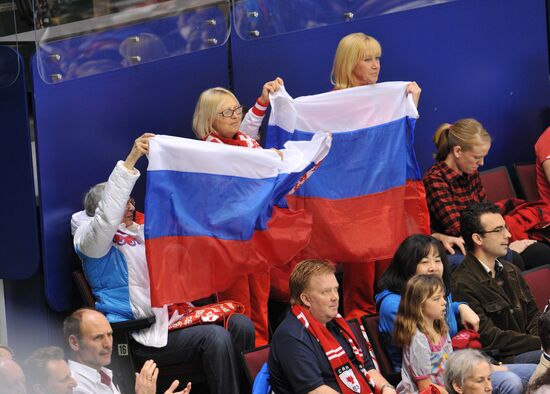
point(453, 183)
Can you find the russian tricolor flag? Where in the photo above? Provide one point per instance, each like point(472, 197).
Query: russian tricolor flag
point(210, 213)
point(367, 195)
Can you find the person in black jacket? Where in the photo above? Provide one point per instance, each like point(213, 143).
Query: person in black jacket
point(495, 289)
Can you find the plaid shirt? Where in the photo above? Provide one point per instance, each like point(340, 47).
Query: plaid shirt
point(448, 192)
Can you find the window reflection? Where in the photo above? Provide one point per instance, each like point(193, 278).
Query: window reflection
point(261, 18)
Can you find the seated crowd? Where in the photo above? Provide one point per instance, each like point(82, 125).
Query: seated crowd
point(456, 315)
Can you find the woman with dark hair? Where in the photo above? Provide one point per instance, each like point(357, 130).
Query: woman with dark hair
point(418, 254)
point(422, 254)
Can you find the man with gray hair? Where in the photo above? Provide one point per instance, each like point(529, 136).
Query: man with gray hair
point(47, 372)
point(112, 249)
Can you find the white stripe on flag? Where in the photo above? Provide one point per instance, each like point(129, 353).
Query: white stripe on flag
point(186, 155)
point(342, 110)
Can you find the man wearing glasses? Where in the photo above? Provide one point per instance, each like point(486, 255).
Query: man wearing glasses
point(495, 289)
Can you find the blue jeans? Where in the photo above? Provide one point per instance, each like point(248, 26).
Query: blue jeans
point(532, 357)
point(513, 381)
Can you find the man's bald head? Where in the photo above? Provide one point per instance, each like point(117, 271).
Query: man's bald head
point(6, 352)
point(90, 337)
point(12, 380)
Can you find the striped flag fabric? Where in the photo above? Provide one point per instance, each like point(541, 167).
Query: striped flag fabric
point(211, 213)
point(367, 195)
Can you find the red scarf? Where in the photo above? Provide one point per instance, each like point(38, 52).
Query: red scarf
point(207, 314)
point(347, 376)
point(239, 139)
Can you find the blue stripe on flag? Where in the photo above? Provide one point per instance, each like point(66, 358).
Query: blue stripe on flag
point(208, 205)
point(220, 206)
point(353, 167)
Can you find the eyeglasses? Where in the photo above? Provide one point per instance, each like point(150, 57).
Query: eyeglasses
point(228, 113)
point(497, 230)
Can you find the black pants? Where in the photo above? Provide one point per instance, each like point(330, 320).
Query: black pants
point(536, 255)
point(210, 346)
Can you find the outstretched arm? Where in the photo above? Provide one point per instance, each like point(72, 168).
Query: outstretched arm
point(253, 118)
point(415, 90)
point(140, 148)
point(94, 239)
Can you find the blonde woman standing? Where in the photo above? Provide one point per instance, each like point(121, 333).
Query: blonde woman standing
point(357, 63)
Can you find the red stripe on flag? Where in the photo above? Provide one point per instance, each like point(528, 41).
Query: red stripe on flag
point(364, 228)
point(188, 268)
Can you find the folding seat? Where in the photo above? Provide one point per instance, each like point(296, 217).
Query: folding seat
point(497, 184)
point(370, 322)
point(538, 280)
point(527, 177)
point(253, 360)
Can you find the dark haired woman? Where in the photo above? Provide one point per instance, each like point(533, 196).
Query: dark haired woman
point(422, 254)
point(418, 254)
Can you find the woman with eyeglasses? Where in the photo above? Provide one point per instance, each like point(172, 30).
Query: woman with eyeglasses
point(217, 118)
point(453, 183)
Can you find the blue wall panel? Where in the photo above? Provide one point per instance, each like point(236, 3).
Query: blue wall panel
point(19, 244)
point(30, 323)
point(85, 125)
point(484, 59)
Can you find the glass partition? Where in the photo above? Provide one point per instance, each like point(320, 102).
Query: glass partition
point(79, 38)
point(9, 55)
point(262, 18)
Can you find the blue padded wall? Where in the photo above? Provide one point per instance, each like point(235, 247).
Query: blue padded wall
point(30, 323)
point(486, 59)
point(19, 244)
point(85, 125)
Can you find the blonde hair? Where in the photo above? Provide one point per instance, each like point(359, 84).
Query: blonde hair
point(464, 133)
point(409, 315)
point(207, 108)
point(351, 49)
point(302, 273)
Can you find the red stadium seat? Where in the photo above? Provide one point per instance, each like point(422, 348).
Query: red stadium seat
point(497, 184)
point(371, 325)
point(253, 361)
point(538, 280)
point(527, 177)
point(357, 327)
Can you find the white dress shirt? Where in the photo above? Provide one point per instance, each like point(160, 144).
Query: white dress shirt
point(89, 380)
